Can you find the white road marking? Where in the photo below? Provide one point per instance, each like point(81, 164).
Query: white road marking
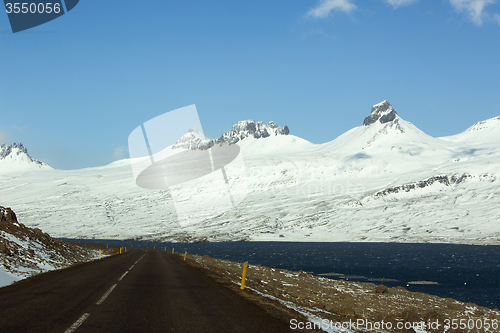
point(80, 321)
point(123, 276)
point(136, 262)
point(103, 298)
point(77, 323)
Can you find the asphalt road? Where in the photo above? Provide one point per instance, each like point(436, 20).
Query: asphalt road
point(138, 291)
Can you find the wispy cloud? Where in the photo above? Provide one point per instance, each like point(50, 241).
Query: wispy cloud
point(119, 153)
point(4, 137)
point(324, 8)
point(474, 8)
point(399, 3)
point(496, 17)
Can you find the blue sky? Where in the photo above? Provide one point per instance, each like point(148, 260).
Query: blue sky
point(74, 88)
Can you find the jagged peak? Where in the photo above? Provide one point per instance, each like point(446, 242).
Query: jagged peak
point(241, 130)
point(251, 128)
point(382, 112)
point(17, 153)
point(15, 148)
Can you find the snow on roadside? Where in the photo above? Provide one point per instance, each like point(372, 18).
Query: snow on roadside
point(7, 278)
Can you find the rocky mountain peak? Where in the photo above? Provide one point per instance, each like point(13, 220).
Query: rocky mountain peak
point(14, 149)
point(17, 152)
point(241, 130)
point(251, 128)
point(193, 139)
point(382, 112)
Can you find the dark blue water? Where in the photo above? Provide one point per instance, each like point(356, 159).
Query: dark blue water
point(469, 273)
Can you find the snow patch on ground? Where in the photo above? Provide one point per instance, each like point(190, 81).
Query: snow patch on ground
point(7, 278)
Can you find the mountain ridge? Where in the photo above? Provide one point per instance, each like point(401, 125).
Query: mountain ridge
point(382, 127)
point(194, 139)
point(386, 181)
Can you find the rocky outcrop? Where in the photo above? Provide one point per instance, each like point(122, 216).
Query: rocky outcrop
point(381, 289)
point(25, 251)
point(382, 112)
point(6, 214)
point(442, 179)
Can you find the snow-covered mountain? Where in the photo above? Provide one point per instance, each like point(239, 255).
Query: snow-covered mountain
point(15, 158)
point(481, 134)
point(385, 180)
point(250, 128)
point(240, 131)
point(193, 139)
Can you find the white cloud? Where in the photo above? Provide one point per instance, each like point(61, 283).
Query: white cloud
point(4, 137)
point(326, 6)
point(497, 18)
point(475, 8)
point(398, 3)
point(119, 153)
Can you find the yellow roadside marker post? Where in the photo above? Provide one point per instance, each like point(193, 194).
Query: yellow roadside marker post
point(172, 250)
point(154, 247)
point(185, 254)
point(244, 276)
point(106, 245)
point(99, 254)
point(165, 249)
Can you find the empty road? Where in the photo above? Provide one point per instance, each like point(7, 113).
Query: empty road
point(138, 291)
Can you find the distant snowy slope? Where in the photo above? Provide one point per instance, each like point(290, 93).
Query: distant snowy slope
point(275, 145)
point(481, 133)
point(15, 158)
point(383, 181)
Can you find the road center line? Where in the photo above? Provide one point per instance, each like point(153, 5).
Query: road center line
point(123, 276)
point(103, 298)
point(131, 267)
point(77, 323)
